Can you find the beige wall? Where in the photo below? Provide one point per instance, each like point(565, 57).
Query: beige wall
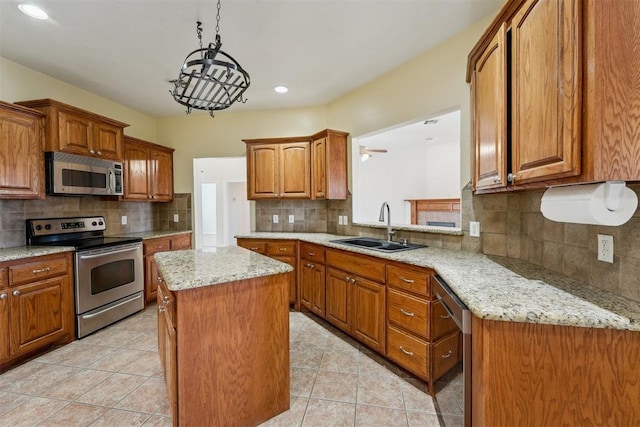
point(19, 83)
point(198, 135)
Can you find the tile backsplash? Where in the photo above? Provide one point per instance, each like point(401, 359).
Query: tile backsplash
point(141, 216)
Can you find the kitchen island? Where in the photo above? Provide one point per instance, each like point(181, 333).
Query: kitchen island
point(223, 335)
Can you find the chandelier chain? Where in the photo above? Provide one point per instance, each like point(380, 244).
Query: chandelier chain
point(199, 31)
point(218, 19)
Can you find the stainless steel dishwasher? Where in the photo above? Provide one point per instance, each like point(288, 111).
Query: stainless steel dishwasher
point(462, 316)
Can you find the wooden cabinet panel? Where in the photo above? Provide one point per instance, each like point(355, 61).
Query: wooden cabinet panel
point(445, 354)
point(21, 160)
point(167, 348)
point(360, 265)
point(181, 242)
point(338, 299)
point(489, 94)
point(408, 351)
point(37, 270)
point(312, 287)
point(152, 246)
point(107, 141)
point(329, 165)
point(4, 325)
point(405, 278)
point(319, 168)
point(312, 252)
point(148, 171)
point(294, 170)
point(75, 133)
point(369, 313)
point(441, 321)
point(152, 278)
point(281, 248)
point(253, 245)
point(292, 275)
point(262, 171)
point(306, 283)
point(408, 312)
point(546, 90)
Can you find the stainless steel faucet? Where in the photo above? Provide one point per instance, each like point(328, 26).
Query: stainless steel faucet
point(381, 219)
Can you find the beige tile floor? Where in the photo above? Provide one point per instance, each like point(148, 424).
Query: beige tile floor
point(114, 378)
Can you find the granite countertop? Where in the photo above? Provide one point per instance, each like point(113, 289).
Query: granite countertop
point(154, 234)
point(20, 252)
point(190, 269)
point(496, 288)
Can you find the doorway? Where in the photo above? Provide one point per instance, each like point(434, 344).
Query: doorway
point(221, 208)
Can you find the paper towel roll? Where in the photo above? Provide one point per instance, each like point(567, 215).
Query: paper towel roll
point(587, 204)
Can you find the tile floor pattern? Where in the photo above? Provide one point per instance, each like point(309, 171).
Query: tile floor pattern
point(114, 378)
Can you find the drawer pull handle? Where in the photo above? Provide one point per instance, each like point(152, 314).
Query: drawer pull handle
point(447, 355)
point(407, 352)
point(311, 265)
point(406, 280)
point(41, 270)
point(445, 316)
point(311, 254)
point(282, 249)
point(407, 313)
point(253, 249)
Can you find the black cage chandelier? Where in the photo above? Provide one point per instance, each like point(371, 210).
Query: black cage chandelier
point(210, 79)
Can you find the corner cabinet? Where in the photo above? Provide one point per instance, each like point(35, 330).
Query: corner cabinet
point(36, 306)
point(306, 167)
point(547, 83)
point(21, 147)
point(148, 171)
point(73, 130)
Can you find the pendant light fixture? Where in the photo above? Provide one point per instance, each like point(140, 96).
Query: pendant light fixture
point(210, 79)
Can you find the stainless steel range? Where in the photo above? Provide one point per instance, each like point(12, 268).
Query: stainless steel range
point(109, 273)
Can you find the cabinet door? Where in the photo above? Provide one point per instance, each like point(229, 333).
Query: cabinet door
point(546, 94)
point(312, 287)
point(161, 175)
point(107, 141)
point(75, 133)
point(4, 325)
point(294, 170)
point(306, 283)
point(319, 169)
point(488, 90)
point(136, 171)
point(292, 275)
point(39, 313)
point(262, 171)
point(21, 162)
point(151, 278)
point(338, 299)
point(168, 349)
point(368, 313)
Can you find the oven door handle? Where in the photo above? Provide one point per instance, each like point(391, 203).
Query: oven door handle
point(89, 316)
point(103, 253)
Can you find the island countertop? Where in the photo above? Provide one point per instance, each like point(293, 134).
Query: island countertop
point(496, 288)
point(190, 269)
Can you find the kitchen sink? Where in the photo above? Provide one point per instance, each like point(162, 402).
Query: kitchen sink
point(378, 244)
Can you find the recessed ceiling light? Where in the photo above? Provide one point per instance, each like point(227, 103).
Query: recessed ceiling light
point(281, 89)
point(33, 11)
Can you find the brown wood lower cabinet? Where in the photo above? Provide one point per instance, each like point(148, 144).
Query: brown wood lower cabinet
point(225, 351)
point(153, 246)
point(36, 306)
point(312, 278)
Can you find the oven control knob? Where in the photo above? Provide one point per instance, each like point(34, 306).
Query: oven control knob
point(100, 223)
point(94, 223)
point(47, 227)
point(38, 227)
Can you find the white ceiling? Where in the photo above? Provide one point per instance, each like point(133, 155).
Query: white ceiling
point(127, 50)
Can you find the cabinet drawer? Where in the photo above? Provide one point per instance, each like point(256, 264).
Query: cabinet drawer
point(180, 242)
point(445, 354)
point(156, 245)
point(409, 280)
point(408, 312)
point(4, 282)
point(360, 265)
point(441, 321)
point(281, 248)
point(37, 270)
point(407, 351)
point(312, 252)
point(252, 245)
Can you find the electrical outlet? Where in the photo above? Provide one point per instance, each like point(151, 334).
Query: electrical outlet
point(474, 229)
point(275, 219)
point(291, 219)
point(605, 248)
point(344, 220)
point(340, 220)
point(123, 220)
point(176, 218)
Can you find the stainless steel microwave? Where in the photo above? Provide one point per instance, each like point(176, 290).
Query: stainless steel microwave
point(69, 174)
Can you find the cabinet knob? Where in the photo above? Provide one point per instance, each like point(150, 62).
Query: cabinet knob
point(166, 300)
point(275, 195)
point(148, 196)
point(3, 296)
point(352, 281)
point(511, 177)
point(99, 153)
point(161, 309)
point(347, 279)
point(92, 151)
point(16, 293)
point(159, 279)
point(321, 194)
point(496, 179)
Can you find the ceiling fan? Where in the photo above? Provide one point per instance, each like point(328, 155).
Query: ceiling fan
point(365, 152)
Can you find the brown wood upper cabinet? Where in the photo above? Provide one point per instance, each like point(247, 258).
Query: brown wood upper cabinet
point(21, 145)
point(548, 80)
point(306, 167)
point(76, 131)
point(148, 171)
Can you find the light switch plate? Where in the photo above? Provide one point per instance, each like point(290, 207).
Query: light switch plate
point(474, 229)
point(340, 220)
point(123, 220)
point(176, 218)
point(275, 219)
point(605, 248)
point(344, 220)
point(291, 219)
